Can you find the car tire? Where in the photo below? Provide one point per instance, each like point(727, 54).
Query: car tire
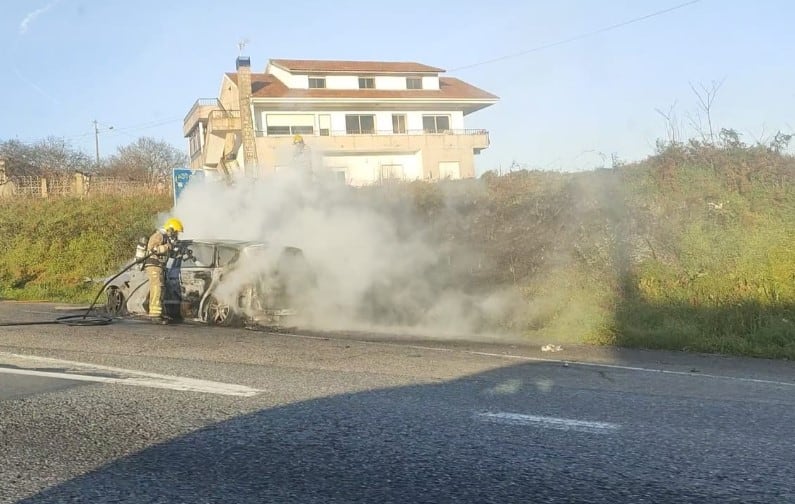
point(115, 302)
point(215, 313)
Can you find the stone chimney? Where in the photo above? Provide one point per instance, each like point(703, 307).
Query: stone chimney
point(243, 66)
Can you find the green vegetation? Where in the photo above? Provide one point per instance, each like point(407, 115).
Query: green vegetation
point(49, 248)
point(690, 249)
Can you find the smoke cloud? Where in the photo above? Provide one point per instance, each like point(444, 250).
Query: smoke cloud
point(375, 264)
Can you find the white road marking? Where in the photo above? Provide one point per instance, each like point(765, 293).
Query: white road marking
point(603, 365)
point(81, 371)
point(568, 424)
point(554, 361)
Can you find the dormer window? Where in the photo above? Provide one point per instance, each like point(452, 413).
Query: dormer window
point(413, 82)
point(366, 83)
point(317, 83)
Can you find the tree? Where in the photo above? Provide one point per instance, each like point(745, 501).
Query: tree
point(50, 156)
point(672, 129)
point(706, 98)
point(147, 160)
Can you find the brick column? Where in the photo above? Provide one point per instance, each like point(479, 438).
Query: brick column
point(246, 118)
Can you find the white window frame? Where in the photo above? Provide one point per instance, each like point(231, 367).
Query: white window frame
point(317, 79)
point(414, 79)
point(360, 132)
point(435, 123)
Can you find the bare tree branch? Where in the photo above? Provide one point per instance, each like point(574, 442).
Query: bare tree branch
point(706, 99)
point(671, 123)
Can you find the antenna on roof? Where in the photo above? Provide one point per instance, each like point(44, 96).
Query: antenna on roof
point(242, 45)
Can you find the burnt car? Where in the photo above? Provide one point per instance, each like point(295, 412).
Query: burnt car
point(220, 282)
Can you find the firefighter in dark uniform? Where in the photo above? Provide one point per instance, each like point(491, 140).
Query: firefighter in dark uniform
point(161, 245)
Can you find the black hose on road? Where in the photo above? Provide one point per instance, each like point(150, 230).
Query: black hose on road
point(86, 319)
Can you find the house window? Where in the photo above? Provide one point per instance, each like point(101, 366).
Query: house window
point(398, 123)
point(413, 83)
point(290, 124)
point(436, 123)
point(278, 130)
point(195, 142)
point(317, 82)
point(360, 124)
point(325, 124)
point(366, 83)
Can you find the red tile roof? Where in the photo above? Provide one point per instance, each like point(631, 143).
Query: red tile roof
point(368, 67)
point(268, 86)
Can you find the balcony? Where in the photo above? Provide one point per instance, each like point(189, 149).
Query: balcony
point(200, 111)
point(220, 122)
point(411, 140)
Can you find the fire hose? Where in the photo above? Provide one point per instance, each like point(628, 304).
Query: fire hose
point(85, 319)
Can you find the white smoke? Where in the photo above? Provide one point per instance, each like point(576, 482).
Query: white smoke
point(373, 267)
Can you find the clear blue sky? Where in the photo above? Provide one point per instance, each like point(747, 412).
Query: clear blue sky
point(140, 65)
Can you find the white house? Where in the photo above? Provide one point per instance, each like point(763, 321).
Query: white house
point(365, 120)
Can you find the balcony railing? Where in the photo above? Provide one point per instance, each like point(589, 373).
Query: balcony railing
point(202, 102)
point(468, 131)
point(224, 120)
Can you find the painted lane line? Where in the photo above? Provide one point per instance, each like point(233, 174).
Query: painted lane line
point(567, 424)
point(604, 365)
point(81, 371)
point(569, 362)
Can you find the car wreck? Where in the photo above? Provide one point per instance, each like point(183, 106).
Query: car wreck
point(220, 282)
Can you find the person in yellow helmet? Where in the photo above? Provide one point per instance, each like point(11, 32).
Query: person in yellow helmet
point(160, 246)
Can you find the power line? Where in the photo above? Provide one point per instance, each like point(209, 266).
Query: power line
point(135, 127)
point(581, 36)
point(148, 125)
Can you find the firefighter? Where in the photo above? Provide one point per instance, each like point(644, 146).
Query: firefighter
point(300, 146)
point(161, 245)
point(301, 157)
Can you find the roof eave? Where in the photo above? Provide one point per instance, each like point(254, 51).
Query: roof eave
point(428, 71)
point(378, 99)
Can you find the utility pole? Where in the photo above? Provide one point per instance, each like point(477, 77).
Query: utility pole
point(96, 139)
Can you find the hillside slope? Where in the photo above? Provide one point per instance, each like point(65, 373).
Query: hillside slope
point(690, 249)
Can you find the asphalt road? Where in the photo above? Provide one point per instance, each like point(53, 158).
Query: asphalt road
point(133, 412)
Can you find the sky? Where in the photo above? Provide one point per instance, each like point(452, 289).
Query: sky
point(139, 66)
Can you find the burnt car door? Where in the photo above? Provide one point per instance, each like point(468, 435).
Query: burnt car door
point(192, 276)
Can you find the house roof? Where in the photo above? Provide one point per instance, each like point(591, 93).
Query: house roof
point(337, 66)
point(265, 85)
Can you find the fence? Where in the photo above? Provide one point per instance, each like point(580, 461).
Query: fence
point(76, 185)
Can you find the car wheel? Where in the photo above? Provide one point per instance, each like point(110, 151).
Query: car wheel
point(217, 313)
point(115, 302)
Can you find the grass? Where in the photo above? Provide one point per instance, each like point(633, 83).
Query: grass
point(690, 249)
point(50, 249)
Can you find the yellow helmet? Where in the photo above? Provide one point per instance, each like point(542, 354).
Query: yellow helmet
point(298, 139)
point(173, 224)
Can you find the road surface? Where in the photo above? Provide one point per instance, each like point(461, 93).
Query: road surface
point(134, 412)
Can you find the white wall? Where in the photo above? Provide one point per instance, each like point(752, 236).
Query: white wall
point(290, 80)
point(367, 169)
point(341, 82)
point(390, 82)
point(430, 82)
point(383, 119)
